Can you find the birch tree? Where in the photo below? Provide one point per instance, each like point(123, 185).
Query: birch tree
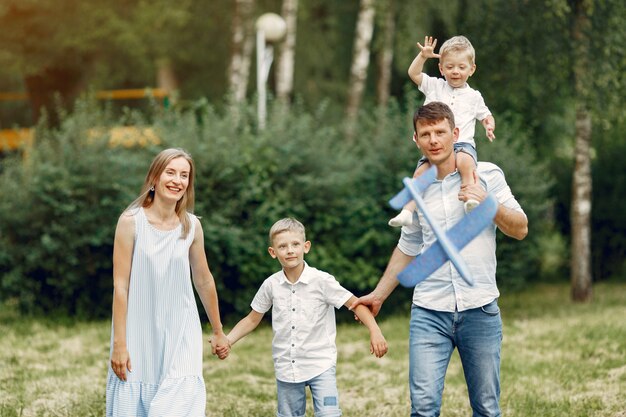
point(286, 60)
point(242, 45)
point(360, 58)
point(581, 184)
point(385, 56)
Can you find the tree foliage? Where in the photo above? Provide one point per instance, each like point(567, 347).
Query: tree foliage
point(300, 165)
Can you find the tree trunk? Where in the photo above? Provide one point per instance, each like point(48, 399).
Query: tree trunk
point(385, 56)
point(360, 60)
point(581, 277)
point(242, 45)
point(166, 79)
point(285, 67)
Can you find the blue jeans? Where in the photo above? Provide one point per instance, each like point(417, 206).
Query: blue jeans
point(477, 334)
point(292, 396)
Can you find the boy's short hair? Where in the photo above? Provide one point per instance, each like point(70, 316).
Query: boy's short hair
point(433, 112)
point(458, 44)
point(287, 224)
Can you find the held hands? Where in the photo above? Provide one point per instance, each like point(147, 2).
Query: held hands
point(428, 49)
point(371, 301)
point(120, 362)
point(220, 346)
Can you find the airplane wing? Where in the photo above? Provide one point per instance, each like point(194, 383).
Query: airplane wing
point(457, 238)
point(421, 183)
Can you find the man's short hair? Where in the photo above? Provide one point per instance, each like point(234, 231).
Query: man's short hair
point(287, 224)
point(433, 112)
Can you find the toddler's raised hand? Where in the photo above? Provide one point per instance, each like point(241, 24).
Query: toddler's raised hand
point(428, 49)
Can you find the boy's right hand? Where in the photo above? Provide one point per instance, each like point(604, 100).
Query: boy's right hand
point(428, 49)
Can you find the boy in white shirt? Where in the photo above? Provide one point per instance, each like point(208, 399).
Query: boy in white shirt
point(456, 64)
point(302, 300)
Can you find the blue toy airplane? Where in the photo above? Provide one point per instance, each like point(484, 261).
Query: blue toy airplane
point(448, 244)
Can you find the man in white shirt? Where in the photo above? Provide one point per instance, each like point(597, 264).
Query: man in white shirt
point(446, 312)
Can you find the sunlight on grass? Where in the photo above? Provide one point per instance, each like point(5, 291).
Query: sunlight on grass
point(559, 359)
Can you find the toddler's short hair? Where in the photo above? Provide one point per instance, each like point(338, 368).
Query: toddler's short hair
point(287, 224)
point(458, 44)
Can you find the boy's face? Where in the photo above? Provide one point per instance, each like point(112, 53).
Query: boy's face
point(456, 68)
point(289, 247)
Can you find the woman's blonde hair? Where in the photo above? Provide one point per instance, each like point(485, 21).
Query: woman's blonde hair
point(158, 165)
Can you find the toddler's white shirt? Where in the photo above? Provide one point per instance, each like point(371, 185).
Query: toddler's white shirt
point(466, 103)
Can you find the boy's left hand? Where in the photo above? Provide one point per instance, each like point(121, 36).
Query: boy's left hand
point(378, 344)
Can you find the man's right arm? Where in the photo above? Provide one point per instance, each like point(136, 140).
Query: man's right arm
point(388, 282)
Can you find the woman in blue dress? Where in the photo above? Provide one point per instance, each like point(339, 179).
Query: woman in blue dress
point(156, 337)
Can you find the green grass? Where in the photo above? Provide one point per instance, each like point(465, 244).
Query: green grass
point(559, 359)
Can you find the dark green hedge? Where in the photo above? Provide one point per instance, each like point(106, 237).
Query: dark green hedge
point(61, 198)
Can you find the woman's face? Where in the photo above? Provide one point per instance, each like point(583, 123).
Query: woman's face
point(174, 179)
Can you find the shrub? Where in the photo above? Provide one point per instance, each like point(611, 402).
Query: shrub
point(531, 183)
point(69, 189)
point(62, 200)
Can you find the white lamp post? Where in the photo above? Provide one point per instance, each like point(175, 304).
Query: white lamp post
point(270, 27)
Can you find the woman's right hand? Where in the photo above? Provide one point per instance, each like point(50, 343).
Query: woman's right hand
point(120, 363)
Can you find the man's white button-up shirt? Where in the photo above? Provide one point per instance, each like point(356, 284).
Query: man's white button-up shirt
point(445, 290)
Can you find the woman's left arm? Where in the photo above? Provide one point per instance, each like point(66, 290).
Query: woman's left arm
point(205, 284)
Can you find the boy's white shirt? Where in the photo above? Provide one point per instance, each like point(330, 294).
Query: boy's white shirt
point(303, 322)
point(466, 103)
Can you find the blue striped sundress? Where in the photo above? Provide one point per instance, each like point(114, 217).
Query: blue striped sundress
point(163, 331)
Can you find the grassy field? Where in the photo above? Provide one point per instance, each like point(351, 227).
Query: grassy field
point(559, 359)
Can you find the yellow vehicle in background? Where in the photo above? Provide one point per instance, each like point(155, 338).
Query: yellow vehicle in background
point(13, 139)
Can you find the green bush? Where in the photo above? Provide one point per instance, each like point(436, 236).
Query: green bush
point(61, 200)
point(67, 192)
point(531, 183)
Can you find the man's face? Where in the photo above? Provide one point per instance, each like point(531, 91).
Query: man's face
point(436, 140)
